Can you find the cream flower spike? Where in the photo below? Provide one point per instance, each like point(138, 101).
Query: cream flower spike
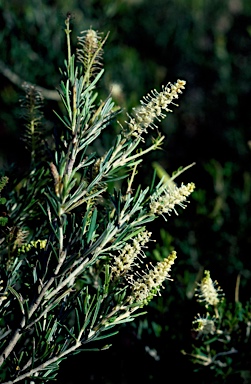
point(150, 283)
point(208, 291)
point(169, 197)
point(152, 107)
point(126, 259)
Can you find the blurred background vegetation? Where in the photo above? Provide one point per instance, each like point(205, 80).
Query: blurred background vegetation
point(208, 44)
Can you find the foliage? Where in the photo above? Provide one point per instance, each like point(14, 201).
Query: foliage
point(208, 44)
point(70, 267)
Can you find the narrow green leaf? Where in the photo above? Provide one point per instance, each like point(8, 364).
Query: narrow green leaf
point(106, 335)
point(93, 226)
point(69, 331)
point(18, 296)
point(97, 307)
point(50, 334)
point(78, 320)
point(107, 279)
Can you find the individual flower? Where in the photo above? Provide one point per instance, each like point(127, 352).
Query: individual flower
point(204, 325)
point(148, 285)
point(152, 107)
point(208, 291)
point(126, 258)
point(169, 197)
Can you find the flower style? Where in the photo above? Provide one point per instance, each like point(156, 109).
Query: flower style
point(149, 284)
point(152, 107)
point(165, 202)
point(208, 291)
point(126, 259)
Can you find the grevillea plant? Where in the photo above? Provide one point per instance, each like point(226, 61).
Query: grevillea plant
point(72, 251)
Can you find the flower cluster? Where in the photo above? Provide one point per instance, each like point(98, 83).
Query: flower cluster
point(126, 259)
point(21, 237)
point(89, 44)
point(150, 283)
point(34, 243)
point(152, 107)
point(208, 291)
point(166, 201)
point(90, 52)
point(3, 181)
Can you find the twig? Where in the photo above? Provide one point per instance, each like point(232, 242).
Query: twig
point(17, 80)
point(237, 288)
point(33, 308)
point(44, 365)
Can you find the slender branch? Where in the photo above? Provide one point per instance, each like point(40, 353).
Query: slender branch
point(17, 334)
point(122, 161)
point(48, 308)
point(12, 342)
point(237, 288)
point(68, 279)
point(46, 287)
point(74, 108)
point(179, 172)
point(17, 80)
point(129, 187)
point(44, 365)
point(68, 31)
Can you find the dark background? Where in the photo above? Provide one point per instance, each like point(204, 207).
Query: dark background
point(208, 44)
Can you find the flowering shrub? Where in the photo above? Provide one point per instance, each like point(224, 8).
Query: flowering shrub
point(70, 256)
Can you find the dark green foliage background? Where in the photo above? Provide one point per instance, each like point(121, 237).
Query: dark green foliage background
point(208, 44)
